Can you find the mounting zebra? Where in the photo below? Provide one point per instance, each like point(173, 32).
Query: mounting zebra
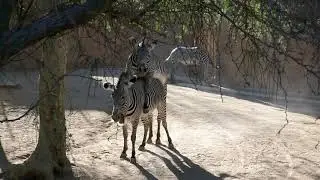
point(144, 61)
point(128, 100)
point(195, 60)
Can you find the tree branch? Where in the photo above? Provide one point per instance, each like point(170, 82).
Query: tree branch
point(67, 17)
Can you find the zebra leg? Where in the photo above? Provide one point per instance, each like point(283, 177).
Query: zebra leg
point(125, 141)
point(158, 141)
point(133, 140)
point(164, 124)
point(150, 119)
point(146, 128)
point(202, 73)
point(172, 78)
point(162, 115)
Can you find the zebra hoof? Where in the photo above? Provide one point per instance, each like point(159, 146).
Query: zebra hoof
point(133, 160)
point(170, 146)
point(149, 141)
point(123, 155)
point(141, 148)
point(158, 142)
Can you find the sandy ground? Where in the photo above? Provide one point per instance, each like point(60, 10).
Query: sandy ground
point(236, 139)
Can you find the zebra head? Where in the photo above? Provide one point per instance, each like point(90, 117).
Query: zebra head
point(141, 58)
point(120, 96)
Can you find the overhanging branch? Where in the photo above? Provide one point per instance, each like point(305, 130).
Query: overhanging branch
point(67, 17)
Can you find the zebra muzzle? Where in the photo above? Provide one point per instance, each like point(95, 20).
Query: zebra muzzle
point(120, 124)
point(119, 118)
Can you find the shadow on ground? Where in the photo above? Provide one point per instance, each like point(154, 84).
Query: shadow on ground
point(189, 170)
point(4, 163)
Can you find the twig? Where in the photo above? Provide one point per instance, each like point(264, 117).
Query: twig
point(219, 59)
point(285, 96)
point(86, 77)
point(23, 115)
point(114, 134)
point(316, 146)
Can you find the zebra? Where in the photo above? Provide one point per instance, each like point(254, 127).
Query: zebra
point(143, 61)
point(128, 101)
point(190, 56)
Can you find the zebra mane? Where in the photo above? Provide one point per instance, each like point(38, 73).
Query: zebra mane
point(185, 47)
point(124, 76)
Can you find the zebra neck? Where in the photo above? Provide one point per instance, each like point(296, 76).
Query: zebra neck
point(132, 105)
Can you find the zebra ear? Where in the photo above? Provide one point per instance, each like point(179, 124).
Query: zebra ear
point(133, 79)
point(132, 41)
point(143, 42)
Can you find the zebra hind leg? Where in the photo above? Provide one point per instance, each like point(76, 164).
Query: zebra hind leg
point(164, 124)
point(150, 119)
point(162, 116)
point(158, 141)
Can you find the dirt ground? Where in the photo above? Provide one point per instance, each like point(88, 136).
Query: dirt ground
point(236, 139)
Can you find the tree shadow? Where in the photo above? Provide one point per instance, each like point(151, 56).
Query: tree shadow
point(189, 170)
point(31, 173)
point(4, 163)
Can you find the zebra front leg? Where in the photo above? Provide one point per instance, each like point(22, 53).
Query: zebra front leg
point(172, 78)
point(125, 141)
point(133, 140)
point(146, 96)
point(146, 128)
point(150, 119)
point(203, 73)
point(172, 74)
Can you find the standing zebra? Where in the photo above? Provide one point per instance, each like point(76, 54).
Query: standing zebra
point(190, 56)
point(128, 101)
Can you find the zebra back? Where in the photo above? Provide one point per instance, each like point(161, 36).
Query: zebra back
point(188, 55)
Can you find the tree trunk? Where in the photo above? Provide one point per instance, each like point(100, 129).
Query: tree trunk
point(49, 157)
point(50, 152)
point(6, 8)
point(52, 134)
